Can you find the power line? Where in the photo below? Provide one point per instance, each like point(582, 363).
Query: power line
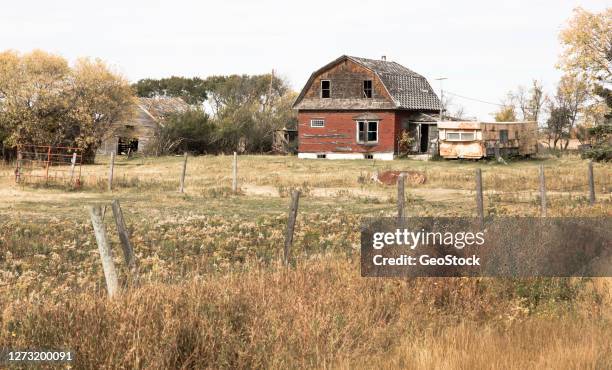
point(478, 100)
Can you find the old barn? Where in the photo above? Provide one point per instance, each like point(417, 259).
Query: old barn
point(355, 108)
point(133, 136)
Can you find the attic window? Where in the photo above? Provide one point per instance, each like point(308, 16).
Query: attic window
point(325, 88)
point(367, 88)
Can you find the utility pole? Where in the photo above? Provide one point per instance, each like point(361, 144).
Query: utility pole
point(441, 94)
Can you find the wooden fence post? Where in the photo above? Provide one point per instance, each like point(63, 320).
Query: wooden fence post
point(295, 197)
point(18, 170)
point(400, 196)
point(182, 186)
point(72, 164)
point(591, 184)
point(106, 255)
point(124, 236)
point(110, 172)
point(542, 191)
point(479, 200)
point(235, 174)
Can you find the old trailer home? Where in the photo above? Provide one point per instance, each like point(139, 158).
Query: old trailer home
point(357, 108)
point(474, 140)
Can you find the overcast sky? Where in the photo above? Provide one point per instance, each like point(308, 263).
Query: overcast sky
point(484, 48)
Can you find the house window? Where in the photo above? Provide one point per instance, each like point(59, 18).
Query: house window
point(321, 156)
point(368, 156)
point(367, 132)
point(503, 136)
point(460, 136)
point(367, 88)
point(325, 89)
point(317, 123)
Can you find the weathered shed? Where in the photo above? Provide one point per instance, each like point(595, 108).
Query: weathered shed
point(474, 140)
point(134, 135)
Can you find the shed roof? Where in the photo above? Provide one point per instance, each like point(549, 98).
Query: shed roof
point(408, 89)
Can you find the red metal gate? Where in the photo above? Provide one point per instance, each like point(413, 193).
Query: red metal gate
point(44, 163)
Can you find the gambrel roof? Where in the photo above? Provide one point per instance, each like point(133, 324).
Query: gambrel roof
point(408, 89)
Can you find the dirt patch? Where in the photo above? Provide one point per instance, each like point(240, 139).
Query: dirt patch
point(390, 177)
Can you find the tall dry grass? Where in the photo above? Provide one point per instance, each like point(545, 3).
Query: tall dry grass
point(321, 314)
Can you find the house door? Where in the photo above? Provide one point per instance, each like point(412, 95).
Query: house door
point(424, 138)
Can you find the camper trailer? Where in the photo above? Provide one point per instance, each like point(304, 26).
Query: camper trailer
point(475, 140)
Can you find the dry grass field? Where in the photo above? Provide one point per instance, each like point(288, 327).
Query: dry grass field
point(212, 293)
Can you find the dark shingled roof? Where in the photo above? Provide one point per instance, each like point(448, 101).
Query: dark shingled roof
point(408, 89)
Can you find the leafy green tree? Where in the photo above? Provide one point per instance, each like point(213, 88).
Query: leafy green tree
point(193, 91)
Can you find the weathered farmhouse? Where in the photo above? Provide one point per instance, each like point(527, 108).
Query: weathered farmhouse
point(475, 140)
point(357, 108)
point(133, 136)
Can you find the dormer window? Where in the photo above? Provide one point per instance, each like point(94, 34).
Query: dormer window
point(325, 89)
point(367, 88)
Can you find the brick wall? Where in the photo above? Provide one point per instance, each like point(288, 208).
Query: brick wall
point(340, 132)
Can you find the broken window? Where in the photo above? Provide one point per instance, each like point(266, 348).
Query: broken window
point(325, 89)
point(503, 136)
point(367, 88)
point(367, 132)
point(317, 123)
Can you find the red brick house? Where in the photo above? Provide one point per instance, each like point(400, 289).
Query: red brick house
point(356, 108)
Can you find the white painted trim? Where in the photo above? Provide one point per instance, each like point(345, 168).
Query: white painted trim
point(384, 156)
point(367, 122)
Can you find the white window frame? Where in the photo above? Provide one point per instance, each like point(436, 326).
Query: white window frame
point(312, 121)
point(367, 124)
point(461, 133)
point(329, 97)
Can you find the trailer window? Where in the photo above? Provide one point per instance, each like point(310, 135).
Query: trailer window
point(460, 136)
point(453, 136)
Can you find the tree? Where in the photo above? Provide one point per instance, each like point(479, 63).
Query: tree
point(506, 112)
point(588, 45)
point(44, 101)
point(571, 96)
point(528, 101)
point(558, 123)
point(193, 91)
point(588, 54)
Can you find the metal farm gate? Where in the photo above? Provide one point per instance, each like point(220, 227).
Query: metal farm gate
point(43, 163)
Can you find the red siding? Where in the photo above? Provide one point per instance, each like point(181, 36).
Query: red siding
point(340, 132)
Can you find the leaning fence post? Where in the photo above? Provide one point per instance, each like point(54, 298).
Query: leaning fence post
point(235, 174)
point(591, 184)
point(110, 172)
point(400, 196)
point(106, 255)
point(124, 236)
point(542, 190)
point(295, 197)
point(182, 186)
point(479, 200)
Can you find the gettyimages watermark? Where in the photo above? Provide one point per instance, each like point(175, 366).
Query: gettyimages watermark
point(496, 247)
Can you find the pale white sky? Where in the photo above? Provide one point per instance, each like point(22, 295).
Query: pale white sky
point(483, 47)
